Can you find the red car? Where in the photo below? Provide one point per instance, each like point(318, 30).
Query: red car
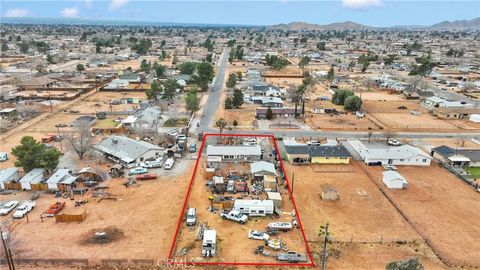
point(54, 209)
point(146, 177)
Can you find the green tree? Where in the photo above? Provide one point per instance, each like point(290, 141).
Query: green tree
point(159, 70)
point(4, 47)
point(231, 55)
point(145, 65)
point(423, 67)
point(50, 59)
point(208, 58)
point(192, 103)
point(221, 124)
point(228, 103)
point(232, 80)
point(340, 96)
point(164, 55)
point(352, 103)
point(154, 90)
point(187, 68)
point(32, 154)
point(331, 74)
point(304, 61)
point(169, 88)
point(410, 264)
point(237, 99)
point(239, 75)
point(269, 114)
point(235, 123)
point(80, 67)
point(365, 66)
point(204, 76)
point(24, 46)
point(321, 46)
point(142, 46)
point(276, 62)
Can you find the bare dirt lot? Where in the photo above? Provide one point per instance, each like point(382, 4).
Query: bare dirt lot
point(362, 214)
point(143, 213)
point(442, 209)
point(391, 116)
point(340, 121)
point(233, 244)
point(369, 256)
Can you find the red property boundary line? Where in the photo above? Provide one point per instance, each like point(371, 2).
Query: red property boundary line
point(179, 262)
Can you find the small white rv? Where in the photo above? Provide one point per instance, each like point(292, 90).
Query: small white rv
point(259, 208)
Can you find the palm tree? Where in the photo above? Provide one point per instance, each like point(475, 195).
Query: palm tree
point(221, 124)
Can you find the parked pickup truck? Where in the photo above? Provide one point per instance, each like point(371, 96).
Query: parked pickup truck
point(54, 209)
point(234, 215)
point(291, 257)
point(23, 209)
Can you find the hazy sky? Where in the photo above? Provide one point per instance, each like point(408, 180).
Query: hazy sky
point(254, 12)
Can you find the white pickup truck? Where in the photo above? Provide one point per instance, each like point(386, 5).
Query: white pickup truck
point(234, 215)
point(23, 209)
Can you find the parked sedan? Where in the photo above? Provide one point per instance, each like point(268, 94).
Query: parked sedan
point(8, 207)
point(23, 209)
point(257, 235)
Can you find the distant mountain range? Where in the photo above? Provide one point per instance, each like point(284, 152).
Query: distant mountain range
point(348, 25)
point(446, 25)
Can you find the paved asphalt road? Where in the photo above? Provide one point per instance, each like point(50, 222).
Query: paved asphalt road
point(351, 134)
point(210, 109)
point(215, 93)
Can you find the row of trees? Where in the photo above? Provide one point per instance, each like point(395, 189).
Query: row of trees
point(235, 101)
point(236, 53)
point(347, 99)
point(276, 62)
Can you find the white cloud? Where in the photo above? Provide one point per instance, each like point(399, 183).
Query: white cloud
point(69, 13)
point(88, 3)
point(16, 12)
point(116, 4)
point(361, 4)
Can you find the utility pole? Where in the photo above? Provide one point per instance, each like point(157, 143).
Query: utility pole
point(293, 181)
point(324, 255)
point(7, 253)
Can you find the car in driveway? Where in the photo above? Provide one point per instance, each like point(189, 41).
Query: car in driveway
point(23, 209)
point(257, 235)
point(394, 143)
point(8, 207)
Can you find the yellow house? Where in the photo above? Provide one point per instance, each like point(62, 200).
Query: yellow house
point(329, 154)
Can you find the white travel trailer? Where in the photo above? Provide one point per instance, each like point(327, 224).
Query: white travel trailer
point(254, 207)
point(209, 244)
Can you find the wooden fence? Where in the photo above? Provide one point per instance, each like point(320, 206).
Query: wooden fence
point(71, 217)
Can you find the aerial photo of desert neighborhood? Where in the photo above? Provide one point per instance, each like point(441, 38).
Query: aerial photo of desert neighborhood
point(240, 134)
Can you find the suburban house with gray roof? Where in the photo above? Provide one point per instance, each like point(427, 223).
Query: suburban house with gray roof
point(126, 151)
point(150, 118)
point(376, 152)
point(457, 157)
